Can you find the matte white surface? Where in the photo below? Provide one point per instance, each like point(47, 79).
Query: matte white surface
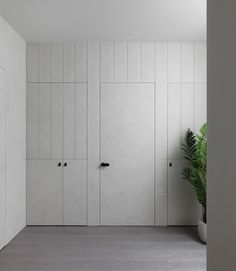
point(75, 107)
point(44, 55)
point(69, 129)
point(134, 62)
point(82, 62)
point(174, 62)
point(93, 99)
point(187, 58)
point(161, 120)
point(183, 208)
point(56, 127)
point(44, 120)
point(44, 192)
point(107, 55)
point(200, 105)
point(93, 208)
point(2, 205)
point(174, 120)
point(120, 62)
point(2, 116)
point(12, 133)
point(127, 143)
point(32, 62)
point(57, 62)
point(32, 114)
point(69, 62)
point(161, 197)
point(148, 62)
point(74, 192)
point(68, 20)
point(15, 198)
point(81, 117)
point(200, 63)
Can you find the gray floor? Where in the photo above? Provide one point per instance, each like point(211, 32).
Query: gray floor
point(104, 248)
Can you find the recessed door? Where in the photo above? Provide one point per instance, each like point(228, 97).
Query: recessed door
point(127, 145)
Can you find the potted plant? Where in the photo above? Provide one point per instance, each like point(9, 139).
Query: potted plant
point(195, 152)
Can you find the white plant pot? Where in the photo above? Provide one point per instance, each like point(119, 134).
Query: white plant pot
point(202, 231)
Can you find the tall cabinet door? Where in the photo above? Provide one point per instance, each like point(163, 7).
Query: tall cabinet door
point(74, 192)
point(183, 208)
point(44, 192)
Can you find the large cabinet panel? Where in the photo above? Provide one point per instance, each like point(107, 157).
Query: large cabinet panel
point(186, 110)
point(183, 208)
point(44, 192)
point(56, 192)
point(74, 192)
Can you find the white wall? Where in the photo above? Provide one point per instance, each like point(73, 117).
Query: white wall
point(178, 71)
point(12, 133)
point(221, 135)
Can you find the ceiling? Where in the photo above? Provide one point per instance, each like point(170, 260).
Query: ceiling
point(74, 20)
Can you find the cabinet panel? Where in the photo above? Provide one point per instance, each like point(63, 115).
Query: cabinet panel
point(187, 62)
point(161, 206)
point(44, 121)
point(56, 121)
point(174, 120)
point(200, 105)
point(93, 99)
point(81, 62)
point(148, 62)
point(134, 62)
point(57, 63)
point(200, 62)
point(44, 62)
point(69, 62)
point(74, 192)
point(187, 108)
point(161, 113)
point(120, 62)
point(93, 209)
point(81, 116)
point(183, 208)
point(174, 62)
point(32, 62)
point(107, 62)
point(69, 121)
point(32, 121)
point(44, 192)
point(3, 27)
point(161, 55)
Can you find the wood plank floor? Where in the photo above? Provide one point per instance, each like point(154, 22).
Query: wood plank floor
point(104, 249)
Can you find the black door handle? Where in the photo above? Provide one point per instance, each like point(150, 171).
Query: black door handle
point(65, 164)
point(105, 164)
point(59, 164)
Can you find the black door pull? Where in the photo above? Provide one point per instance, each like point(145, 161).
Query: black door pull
point(59, 164)
point(105, 164)
point(65, 164)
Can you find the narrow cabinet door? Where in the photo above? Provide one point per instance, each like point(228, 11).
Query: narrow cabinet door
point(44, 192)
point(74, 192)
point(183, 208)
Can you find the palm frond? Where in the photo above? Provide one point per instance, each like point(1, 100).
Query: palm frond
point(195, 152)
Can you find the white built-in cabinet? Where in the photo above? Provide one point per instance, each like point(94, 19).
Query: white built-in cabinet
point(56, 193)
point(57, 146)
point(64, 124)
